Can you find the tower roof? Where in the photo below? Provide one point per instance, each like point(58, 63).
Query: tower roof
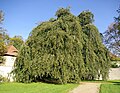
point(11, 51)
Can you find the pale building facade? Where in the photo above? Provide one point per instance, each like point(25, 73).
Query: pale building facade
point(7, 67)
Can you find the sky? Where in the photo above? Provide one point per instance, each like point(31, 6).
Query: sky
point(21, 16)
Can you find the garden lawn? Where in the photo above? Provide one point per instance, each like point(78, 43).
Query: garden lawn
point(35, 88)
point(112, 87)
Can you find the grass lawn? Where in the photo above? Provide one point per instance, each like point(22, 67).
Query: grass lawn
point(35, 88)
point(111, 87)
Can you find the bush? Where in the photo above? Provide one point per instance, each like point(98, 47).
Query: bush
point(4, 79)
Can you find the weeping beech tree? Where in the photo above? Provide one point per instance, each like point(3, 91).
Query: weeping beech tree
point(62, 50)
point(96, 56)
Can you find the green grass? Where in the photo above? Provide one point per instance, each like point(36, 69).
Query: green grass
point(35, 88)
point(110, 87)
point(114, 81)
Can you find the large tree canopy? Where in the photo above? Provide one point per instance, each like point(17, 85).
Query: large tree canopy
point(62, 50)
point(112, 36)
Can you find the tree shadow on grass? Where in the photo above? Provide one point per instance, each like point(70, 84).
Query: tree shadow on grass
point(115, 82)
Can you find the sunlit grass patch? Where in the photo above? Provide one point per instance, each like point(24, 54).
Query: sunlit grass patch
point(35, 88)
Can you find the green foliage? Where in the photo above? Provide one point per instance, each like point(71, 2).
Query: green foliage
point(52, 19)
point(16, 41)
point(63, 12)
point(96, 56)
point(23, 64)
point(2, 48)
point(86, 17)
point(4, 79)
point(1, 78)
point(2, 37)
point(55, 48)
point(62, 51)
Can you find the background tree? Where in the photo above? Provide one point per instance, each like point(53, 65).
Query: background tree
point(112, 36)
point(16, 41)
point(5, 40)
point(2, 37)
point(1, 16)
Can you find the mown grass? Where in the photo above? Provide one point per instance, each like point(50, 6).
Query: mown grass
point(110, 87)
point(35, 88)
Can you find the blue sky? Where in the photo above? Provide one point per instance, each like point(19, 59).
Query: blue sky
point(21, 16)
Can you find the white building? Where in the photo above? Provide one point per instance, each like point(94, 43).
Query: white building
point(7, 67)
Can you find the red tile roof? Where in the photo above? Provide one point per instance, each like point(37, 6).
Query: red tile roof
point(11, 51)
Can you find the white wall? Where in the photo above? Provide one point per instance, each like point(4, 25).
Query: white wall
point(5, 72)
point(9, 61)
point(6, 69)
point(114, 74)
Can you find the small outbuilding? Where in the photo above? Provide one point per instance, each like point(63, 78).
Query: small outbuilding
point(9, 59)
